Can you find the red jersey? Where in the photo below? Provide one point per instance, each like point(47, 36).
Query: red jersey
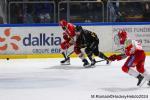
point(70, 30)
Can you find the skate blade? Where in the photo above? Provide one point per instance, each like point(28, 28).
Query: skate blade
point(142, 83)
point(89, 66)
point(93, 66)
point(65, 64)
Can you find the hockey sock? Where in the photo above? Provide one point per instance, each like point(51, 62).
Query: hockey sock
point(90, 56)
point(133, 72)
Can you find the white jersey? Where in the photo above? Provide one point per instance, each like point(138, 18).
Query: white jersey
point(131, 46)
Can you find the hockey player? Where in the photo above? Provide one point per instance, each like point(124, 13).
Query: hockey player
point(69, 40)
point(136, 57)
point(89, 40)
point(68, 36)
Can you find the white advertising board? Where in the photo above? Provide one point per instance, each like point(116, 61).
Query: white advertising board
point(30, 40)
point(104, 34)
point(140, 33)
point(47, 39)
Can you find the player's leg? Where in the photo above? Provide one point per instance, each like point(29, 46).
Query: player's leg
point(89, 53)
point(146, 75)
point(80, 54)
point(140, 66)
point(64, 47)
point(100, 54)
point(127, 68)
point(133, 73)
point(84, 60)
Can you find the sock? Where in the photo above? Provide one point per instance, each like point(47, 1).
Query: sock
point(133, 72)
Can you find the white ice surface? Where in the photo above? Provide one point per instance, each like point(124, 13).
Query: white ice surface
point(46, 79)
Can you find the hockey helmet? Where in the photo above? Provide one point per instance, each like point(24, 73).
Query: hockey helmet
point(63, 23)
point(78, 28)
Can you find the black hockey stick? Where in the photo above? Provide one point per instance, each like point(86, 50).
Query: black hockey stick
point(100, 61)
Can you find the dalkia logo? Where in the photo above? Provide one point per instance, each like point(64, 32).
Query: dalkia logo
point(11, 40)
point(41, 40)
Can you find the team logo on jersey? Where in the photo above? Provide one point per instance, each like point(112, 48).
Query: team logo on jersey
point(9, 40)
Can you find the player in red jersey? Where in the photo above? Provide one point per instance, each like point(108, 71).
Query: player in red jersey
point(69, 40)
point(136, 57)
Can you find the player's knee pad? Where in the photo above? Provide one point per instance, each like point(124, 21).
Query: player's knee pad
point(125, 69)
point(140, 69)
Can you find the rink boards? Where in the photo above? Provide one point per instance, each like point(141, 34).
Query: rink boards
point(43, 40)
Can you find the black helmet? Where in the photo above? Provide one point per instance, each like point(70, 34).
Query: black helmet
point(78, 28)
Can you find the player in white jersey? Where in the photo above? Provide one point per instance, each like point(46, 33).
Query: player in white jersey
point(136, 57)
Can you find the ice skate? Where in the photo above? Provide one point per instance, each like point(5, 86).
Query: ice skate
point(86, 63)
point(93, 62)
point(65, 61)
point(140, 79)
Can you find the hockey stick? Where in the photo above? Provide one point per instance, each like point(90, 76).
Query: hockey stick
point(100, 61)
point(119, 49)
point(69, 54)
point(66, 55)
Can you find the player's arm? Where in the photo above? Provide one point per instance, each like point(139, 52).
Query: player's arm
point(66, 36)
point(117, 57)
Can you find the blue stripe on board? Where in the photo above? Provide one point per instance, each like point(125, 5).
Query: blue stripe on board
point(82, 24)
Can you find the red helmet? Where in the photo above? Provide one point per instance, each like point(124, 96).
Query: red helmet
point(63, 23)
point(122, 36)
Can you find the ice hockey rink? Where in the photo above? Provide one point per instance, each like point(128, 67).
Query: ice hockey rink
point(46, 79)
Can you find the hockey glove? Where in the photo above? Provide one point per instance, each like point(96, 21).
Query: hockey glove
point(115, 57)
point(66, 37)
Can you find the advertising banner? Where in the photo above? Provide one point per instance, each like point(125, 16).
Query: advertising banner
point(141, 33)
point(30, 40)
point(47, 39)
